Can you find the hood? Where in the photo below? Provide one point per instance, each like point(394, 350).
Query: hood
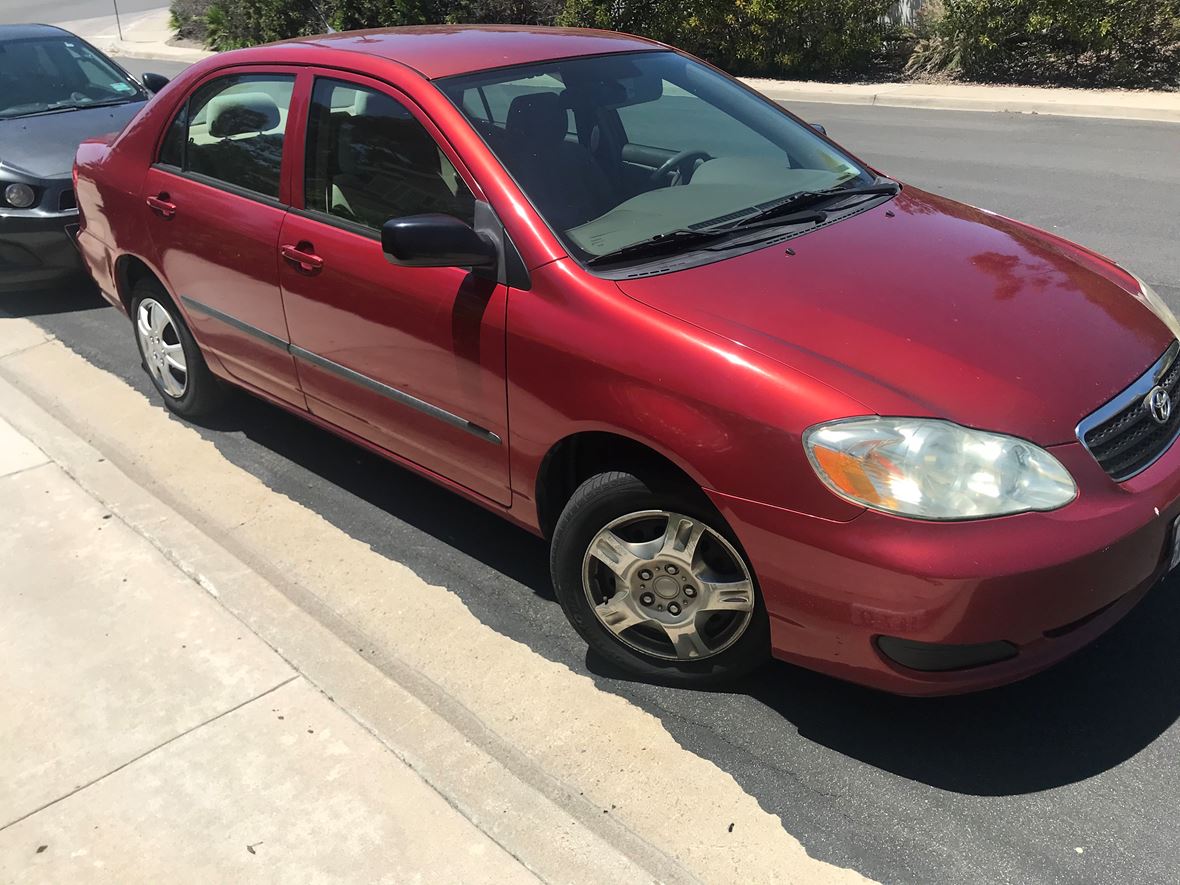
point(925, 307)
point(44, 146)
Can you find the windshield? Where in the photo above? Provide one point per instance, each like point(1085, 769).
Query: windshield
point(59, 73)
point(614, 150)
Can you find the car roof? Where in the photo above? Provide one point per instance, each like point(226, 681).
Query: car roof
point(445, 50)
point(24, 32)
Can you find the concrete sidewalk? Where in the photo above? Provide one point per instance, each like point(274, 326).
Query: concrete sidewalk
point(148, 735)
point(144, 35)
point(1101, 103)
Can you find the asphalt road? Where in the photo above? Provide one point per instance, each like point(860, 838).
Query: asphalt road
point(1068, 777)
point(139, 66)
point(22, 11)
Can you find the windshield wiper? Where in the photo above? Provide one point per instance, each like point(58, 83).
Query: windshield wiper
point(784, 212)
point(659, 244)
point(63, 107)
point(664, 242)
point(809, 198)
point(755, 222)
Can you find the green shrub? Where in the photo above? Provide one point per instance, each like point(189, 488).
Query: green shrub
point(350, 15)
point(803, 38)
point(188, 18)
point(232, 24)
point(517, 12)
point(785, 38)
point(1071, 42)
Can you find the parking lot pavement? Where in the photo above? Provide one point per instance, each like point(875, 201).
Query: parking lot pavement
point(148, 735)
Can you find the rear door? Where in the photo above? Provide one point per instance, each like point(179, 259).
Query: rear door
point(218, 198)
point(411, 359)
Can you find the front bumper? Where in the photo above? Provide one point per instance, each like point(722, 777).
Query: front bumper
point(38, 250)
point(1047, 583)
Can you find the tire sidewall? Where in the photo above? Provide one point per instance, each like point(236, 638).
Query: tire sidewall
point(599, 501)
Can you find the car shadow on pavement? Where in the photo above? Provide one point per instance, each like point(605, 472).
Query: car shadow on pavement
point(68, 298)
point(409, 498)
point(1088, 714)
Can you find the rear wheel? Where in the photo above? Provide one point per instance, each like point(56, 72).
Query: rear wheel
point(653, 580)
point(170, 354)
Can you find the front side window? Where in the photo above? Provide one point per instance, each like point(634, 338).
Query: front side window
point(369, 160)
point(615, 150)
point(232, 130)
point(48, 74)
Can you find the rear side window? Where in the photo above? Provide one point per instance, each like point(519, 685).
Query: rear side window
point(369, 160)
point(232, 130)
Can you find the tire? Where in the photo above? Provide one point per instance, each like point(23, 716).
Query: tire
point(644, 515)
point(170, 355)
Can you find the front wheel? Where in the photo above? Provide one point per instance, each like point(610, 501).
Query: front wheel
point(653, 580)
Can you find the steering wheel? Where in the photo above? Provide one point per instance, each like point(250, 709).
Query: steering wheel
point(681, 164)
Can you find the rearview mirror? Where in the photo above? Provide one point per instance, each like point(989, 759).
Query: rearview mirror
point(435, 240)
point(153, 83)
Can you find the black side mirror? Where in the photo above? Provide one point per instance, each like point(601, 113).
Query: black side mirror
point(435, 240)
point(820, 128)
point(153, 83)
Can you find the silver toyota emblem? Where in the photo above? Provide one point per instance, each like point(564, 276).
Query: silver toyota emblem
point(1159, 405)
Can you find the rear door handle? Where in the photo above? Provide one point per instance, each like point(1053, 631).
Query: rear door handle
point(161, 205)
point(306, 261)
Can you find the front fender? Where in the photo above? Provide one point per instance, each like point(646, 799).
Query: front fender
point(584, 357)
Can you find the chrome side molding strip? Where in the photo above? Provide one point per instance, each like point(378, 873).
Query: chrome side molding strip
point(260, 334)
point(394, 394)
point(348, 374)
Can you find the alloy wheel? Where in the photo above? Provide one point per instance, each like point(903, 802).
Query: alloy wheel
point(161, 347)
point(668, 585)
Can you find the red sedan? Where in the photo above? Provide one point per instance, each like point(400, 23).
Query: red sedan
point(761, 398)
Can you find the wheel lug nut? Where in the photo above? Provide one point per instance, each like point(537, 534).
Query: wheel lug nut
point(690, 592)
point(673, 608)
point(671, 569)
point(645, 574)
point(647, 599)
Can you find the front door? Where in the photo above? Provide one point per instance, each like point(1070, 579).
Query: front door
point(218, 208)
point(411, 359)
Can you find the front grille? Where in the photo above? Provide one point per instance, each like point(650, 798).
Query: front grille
point(1123, 436)
point(67, 200)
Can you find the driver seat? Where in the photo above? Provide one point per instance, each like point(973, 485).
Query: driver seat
point(561, 177)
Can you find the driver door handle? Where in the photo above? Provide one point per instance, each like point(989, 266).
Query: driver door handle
point(161, 205)
point(306, 261)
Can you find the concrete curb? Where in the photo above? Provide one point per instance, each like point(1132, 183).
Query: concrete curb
point(1161, 107)
point(155, 52)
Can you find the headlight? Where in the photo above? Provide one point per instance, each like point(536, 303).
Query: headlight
point(931, 469)
point(1149, 297)
point(19, 196)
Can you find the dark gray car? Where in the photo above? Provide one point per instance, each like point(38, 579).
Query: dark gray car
point(56, 90)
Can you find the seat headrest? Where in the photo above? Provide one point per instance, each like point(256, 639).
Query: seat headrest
point(241, 113)
point(385, 145)
point(539, 116)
